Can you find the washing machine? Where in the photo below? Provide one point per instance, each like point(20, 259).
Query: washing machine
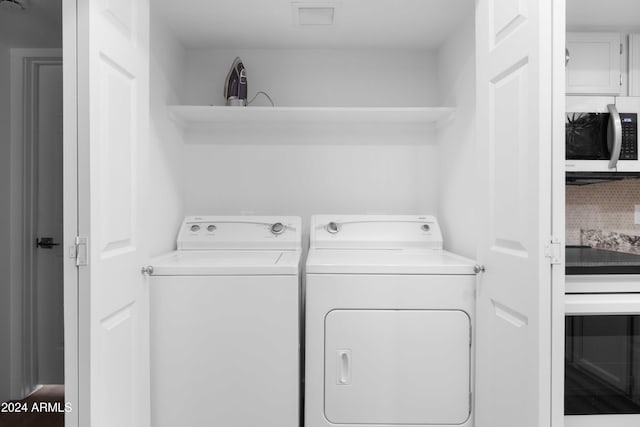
point(389, 324)
point(225, 320)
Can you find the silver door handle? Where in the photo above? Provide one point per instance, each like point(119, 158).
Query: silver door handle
point(614, 135)
point(343, 360)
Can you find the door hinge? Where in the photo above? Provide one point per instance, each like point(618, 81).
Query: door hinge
point(79, 251)
point(553, 251)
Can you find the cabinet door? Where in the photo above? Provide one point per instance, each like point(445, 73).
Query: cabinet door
point(397, 367)
point(634, 64)
point(594, 63)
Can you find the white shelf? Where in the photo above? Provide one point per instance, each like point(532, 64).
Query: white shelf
point(200, 116)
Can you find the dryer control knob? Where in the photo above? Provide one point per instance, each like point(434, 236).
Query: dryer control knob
point(195, 227)
point(425, 227)
point(277, 228)
point(333, 227)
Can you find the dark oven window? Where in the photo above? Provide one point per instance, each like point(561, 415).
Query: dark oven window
point(586, 136)
point(602, 358)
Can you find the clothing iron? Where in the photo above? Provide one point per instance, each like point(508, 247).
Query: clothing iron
point(235, 88)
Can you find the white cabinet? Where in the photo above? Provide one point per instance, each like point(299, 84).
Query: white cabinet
point(634, 64)
point(594, 64)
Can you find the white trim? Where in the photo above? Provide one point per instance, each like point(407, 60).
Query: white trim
point(70, 208)
point(22, 374)
point(558, 210)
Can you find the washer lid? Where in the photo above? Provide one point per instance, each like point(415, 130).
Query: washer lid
point(229, 262)
point(390, 261)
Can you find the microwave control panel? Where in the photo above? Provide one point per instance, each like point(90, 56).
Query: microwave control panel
point(629, 149)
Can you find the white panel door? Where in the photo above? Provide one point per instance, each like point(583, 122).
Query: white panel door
point(113, 103)
point(48, 261)
point(514, 104)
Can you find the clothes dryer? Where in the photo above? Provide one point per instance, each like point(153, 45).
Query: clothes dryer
point(389, 324)
point(224, 324)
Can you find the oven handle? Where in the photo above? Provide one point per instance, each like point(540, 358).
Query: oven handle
point(602, 304)
point(614, 135)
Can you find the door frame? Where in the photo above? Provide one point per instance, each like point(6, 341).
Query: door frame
point(25, 67)
point(558, 211)
point(70, 210)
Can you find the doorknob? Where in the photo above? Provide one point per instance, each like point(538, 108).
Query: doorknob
point(46, 243)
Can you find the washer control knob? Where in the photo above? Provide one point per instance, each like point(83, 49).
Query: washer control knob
point(195, 228)
point(425, 227)
point(211, 228)
point(277, 228)
point(333, 227)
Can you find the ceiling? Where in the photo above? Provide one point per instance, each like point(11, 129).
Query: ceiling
point(603, 14)
point(272, 23)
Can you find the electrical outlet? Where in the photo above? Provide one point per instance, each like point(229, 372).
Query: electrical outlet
point(637, 215)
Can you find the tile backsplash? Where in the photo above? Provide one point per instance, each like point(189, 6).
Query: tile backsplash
point(608, 207)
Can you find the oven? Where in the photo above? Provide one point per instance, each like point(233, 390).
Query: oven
point(602, 351)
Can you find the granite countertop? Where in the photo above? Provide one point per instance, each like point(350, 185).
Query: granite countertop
point(604, 252)
point(611, 240)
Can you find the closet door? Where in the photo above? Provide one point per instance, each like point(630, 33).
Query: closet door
point(112, 124)
point(514, 116)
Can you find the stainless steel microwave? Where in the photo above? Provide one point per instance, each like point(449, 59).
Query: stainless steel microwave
point(601, 134)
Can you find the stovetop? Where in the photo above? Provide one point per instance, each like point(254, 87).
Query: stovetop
point(588, 260)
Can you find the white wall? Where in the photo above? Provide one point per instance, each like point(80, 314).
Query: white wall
point(456, 141)
point(303, 169)
point(317, 77)
point(166, 141)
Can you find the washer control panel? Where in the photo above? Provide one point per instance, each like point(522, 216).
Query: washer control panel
point(239, 232)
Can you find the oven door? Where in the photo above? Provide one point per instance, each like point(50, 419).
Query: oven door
point(602, 360)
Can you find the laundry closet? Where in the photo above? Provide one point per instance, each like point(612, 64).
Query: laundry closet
point(366, 109)
point(381, 107)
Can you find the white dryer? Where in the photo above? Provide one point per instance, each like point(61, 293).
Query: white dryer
point(225, 324)
point(389, 317)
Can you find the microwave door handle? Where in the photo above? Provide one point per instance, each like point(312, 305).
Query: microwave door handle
point(614, 135)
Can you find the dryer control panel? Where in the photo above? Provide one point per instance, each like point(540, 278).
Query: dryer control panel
point(240, 232)
point(375, 232)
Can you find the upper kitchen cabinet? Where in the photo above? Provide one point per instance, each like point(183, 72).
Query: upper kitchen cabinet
point(634, 64)
point(593, 63)
point(603, 46)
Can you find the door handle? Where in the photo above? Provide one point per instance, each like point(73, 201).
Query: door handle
point(614, 135)
point(343, 361)
point(46, 243)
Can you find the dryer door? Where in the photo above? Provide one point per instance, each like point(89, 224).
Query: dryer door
point(397, 366)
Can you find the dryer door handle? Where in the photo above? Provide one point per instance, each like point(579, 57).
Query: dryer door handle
point(343, 364)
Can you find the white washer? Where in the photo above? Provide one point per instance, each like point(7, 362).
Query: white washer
point(224, 324)
point(389, 318)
